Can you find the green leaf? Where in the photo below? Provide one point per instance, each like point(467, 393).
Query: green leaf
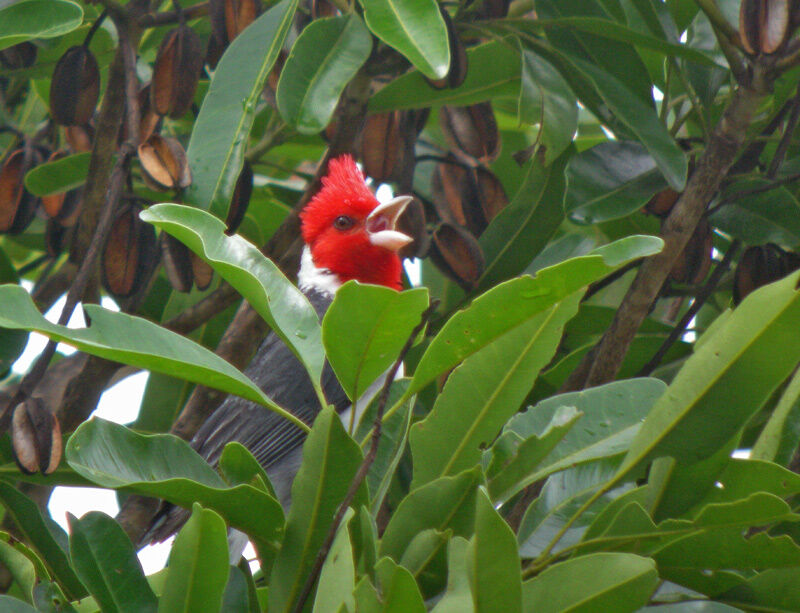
point(256, 277)
point(399, 591)
point(779, 438)
point(514, 302)
point(493, 561)
point(216, 147)
point(425, 559)
point(483, 393)
point(775, 589)
point(458, 597)
point(736, 366)
point(522, 229)
point(415, 28)
point(164, 466)
point(198, 565)
point(642, 120)
point(239, 466)
point(12, 605)
point(546, 99)
point(19, 562)
point(364, 330)
point(330, 460)
point(105, 560)
point(446, 503)
point(611, 417)
point(609, 181)
point(337, 579)
point(59, 176)
point(597, 582)
point(326, 55)
point(23, 21)
point(136, 342)
point(236, 598)
point(493, 72)
point(46, 538)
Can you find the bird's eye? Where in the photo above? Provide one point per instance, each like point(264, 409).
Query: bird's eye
point(343, 222)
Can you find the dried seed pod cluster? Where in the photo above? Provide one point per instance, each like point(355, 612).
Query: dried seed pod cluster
point(182, 267)
point(18, 56)
point(228, 19)
point(35, 437)
point(471, 132)
point(457, 254)
point(17, 205)
point(129, 254)
point(661, 204)
point(176, 72)
point(75, 87)
point(240, 199)
point(62, 207)
point(760, 265)
point(765, 25)
point(164, 163)
point(694, 261)
point(470, 197)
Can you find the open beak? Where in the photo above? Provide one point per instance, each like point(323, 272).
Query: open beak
point(381, 224)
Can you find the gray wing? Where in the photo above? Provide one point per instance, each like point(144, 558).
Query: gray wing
point(269, 437)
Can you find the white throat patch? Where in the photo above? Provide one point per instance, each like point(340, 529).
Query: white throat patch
point(319, 279)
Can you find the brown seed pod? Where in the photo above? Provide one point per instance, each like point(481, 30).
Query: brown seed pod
point(16, 57)
point(420, 118)
point(694, 261)
point(471, 132)
point(495, 9)
point(63, 207)
point(457, 254)
point(493, 197)
point(129, 253)
point(75, 87)
point(149, 120)
point(54, 235)
point(760, 265)
point(177, 263)
point(661, 204)
point(412, 223)
point(323, 8)
point(35, 437)
point(79, 138)
point(240, 199)
point(176, 72)
point(764, 25)
point(271, 86)
point(380, 144)
point(238, 15)
point(164, 163)
point(201, 271)
point(458, 57)
point(456, 197)
point(17, 205)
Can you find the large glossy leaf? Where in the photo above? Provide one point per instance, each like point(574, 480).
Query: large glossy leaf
point(611, 417)
point(447, 503)
point(10, 604)
point(105, 560)
point(12, 342)
point(364, 330)
point(778, 440)
point(326, 55)
point(256, 277)
point(514, 302)
point(776, 589)
point(164, 466)
point(137, 342)
point(458, 597)
point(330, 460)
point(198, 565)
point(738, 363)
point(483, 393)
point(58, 176)
point(611, 180)
point(216, 147)
point(769, 217)
point(597, 582)
point(546, 99)
point(22, 564)
point(399, 591)
point(46, 538)
point(415, 28)
point(23, 21)
point(338, 575)
point(522, 229)
point(493, 72)
point(493, 561)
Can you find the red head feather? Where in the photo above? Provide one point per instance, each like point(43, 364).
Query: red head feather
point(347, 252)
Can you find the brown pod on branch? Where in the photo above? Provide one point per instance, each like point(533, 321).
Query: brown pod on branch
point(661, 204)
point(381, 142)
point(412, 223)
point(17, 57)
point(323, 8)
point(764, 25)
point(149, 120)
point(176, 72)
point(456, 197)
point(177, 261)
point(271, 85)
point(201, 271)
point(54, 235)
point(458, 57)
point(63, 207)
point(35, 437)
point(495, 9)
point(471, 132)
point(79, 138)
point(238, 15)
point(129, 253)
point(17, 204)
point(240, 199)
point(457, 254)
point(164, 163)
point(760, 265)
point(694, 261)
point(75, 87)
point(492, 195)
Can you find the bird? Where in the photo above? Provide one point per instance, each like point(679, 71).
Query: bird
point(348, 235)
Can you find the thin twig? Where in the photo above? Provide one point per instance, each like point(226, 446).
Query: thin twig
point(786, 138)
point(366, 464)
point(608, 280)
point(699, 300)
point(169, 17)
